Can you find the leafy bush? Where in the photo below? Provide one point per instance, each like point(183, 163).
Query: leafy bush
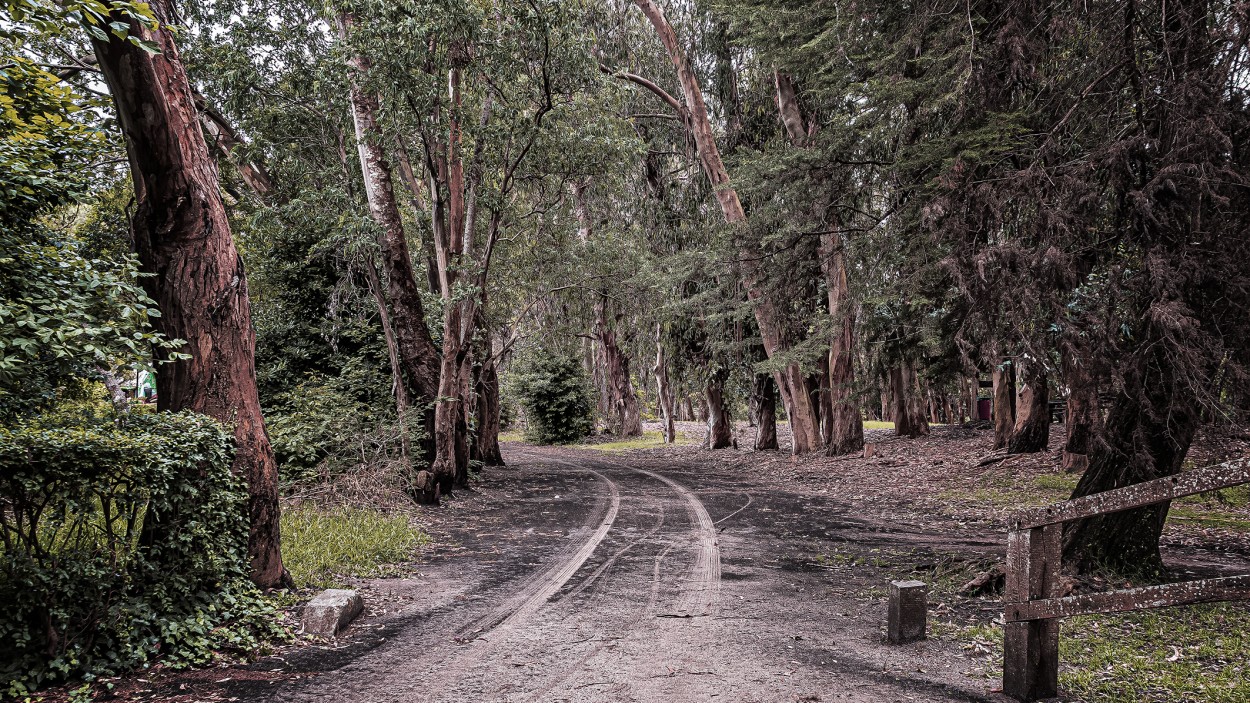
point(554, 392)
point(320, 544)
point(123, 542)
point(330, 425)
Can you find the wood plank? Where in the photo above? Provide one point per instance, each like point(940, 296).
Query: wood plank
point(1187, 483)
point(1229, 588)
point(1031, 648)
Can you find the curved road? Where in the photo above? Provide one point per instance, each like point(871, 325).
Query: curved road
point(584, 577)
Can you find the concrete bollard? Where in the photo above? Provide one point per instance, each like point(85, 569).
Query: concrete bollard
point(909, 606)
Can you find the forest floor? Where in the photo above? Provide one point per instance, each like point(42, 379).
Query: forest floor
point(674, 574)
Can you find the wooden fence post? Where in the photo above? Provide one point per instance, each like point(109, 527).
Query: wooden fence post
point(1031, 647)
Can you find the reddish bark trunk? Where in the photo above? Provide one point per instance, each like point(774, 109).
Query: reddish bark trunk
point(845, 421)
point(618, 400)
point(719, 431)
point(1082, 415)
point(804, 423)
point(909, 418)
point(1004, 404)
point(687, 410)
point(182, 237)
point(1032, 431)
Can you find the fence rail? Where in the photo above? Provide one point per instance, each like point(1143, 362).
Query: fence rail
point(1034, 556)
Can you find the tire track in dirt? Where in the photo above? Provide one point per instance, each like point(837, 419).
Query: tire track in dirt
point(537, 590)
point(698, 592)
point(700, 595)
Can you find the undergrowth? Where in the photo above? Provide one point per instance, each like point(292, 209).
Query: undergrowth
point(320, 546)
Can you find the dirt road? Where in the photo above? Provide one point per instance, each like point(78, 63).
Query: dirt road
point(581, 577)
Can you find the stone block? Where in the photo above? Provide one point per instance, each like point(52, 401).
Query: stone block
point(909, 606)
point(331, 611)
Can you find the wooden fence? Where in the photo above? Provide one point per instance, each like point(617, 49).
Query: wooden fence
point(1034, 555)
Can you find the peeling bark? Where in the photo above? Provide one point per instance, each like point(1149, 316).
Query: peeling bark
point(183, 239)
point(417, 352)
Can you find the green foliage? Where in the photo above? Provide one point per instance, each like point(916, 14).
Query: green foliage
point(319, 545)
point(65, 317)
point(328, 425)
point(554, 391)
point(123, 542)
point(42, 145)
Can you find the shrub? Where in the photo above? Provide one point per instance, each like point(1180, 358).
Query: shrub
point(123, 541)
point(554, 392)
point(327, 426)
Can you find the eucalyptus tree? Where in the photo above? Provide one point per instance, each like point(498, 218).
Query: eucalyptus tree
point(183, 239)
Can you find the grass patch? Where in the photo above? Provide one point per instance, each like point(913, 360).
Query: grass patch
point(1065, 483)
point(878, 425)
point(1198, 653)
point(648, 440)
point(512, 436)
point(1195, 654)
point(322, 545)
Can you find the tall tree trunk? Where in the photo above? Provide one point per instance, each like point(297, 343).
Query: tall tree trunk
point(416, 347)
point(450, 465)
point(663, 391)
point(1032, 431)
point(1149, 429)
point(618, 400)
point(392, 352)
point(803, 419)
point(1004, 403)
point(909, 418)
point(764, 393)
point(687, 409)
point(183, 239)
point(719, 429)
point(1082, 416)
point(847, 423)
point(486, 448)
